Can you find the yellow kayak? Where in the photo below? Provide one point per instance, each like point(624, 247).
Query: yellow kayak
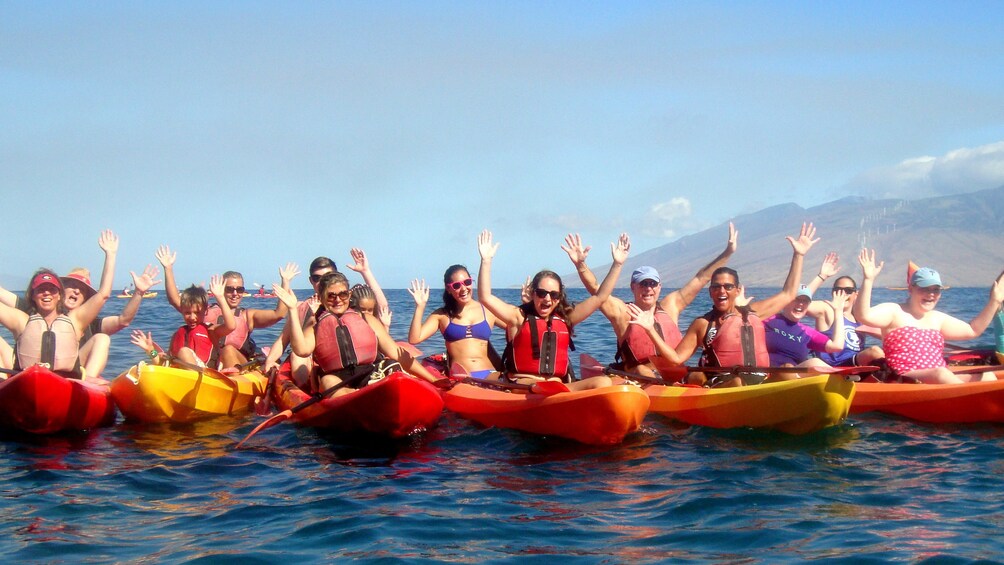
point(154, 393)
point(798, 406)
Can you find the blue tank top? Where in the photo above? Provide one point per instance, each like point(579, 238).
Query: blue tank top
point(852, 345)
point(455, 332)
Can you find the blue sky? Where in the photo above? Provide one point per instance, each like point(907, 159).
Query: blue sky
point(246, 135)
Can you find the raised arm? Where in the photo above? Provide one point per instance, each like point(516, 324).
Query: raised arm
point(229, 323)
point(619, 251)
point(613, 307)
point(506, 312)
point(819, 309)
point(142, 283)
point(878, 317)
point(676, 301)
point(7, 297)
point(166, 258)
point(13, 319)
point(955, 329)
point(266, 318)
point(836, 341)
point(800, 246)
point(420, 331)
point(301, 341)
point(89, 310)
point(362, 266)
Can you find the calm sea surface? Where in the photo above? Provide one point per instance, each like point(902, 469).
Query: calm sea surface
point(875, 489)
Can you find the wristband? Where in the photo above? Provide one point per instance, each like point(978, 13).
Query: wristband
point(153, 354)
point(822, 278)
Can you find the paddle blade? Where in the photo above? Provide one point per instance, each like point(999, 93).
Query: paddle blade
point(277, 419)
point(458, 372)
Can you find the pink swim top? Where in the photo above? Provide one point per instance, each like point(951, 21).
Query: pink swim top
point(911, 349)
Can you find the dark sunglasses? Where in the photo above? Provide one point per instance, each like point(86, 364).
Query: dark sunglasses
point(343, 295)
point(726, 286)
point(648, 283)
point(315, 278)
point(232, 289)
point(846, 289)
point(458, 284)
point(541, 293)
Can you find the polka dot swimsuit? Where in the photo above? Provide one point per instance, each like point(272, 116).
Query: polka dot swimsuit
point(910, 349)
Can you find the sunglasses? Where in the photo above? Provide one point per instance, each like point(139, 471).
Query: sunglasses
point(458, 284)
point(315, 278)
point(233, 289)
point(343, 295)
point(846, 289)
point(726, 286)
point(648, 283)
point(541, 293)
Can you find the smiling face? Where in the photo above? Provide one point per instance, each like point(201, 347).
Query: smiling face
point(233, 290)
point(460, 286)
point(925, 297)
point(73, 295)
point(193, 314)
point(723, 291)
point(646, 293)
point(797, 308)
point(46, 298)
point(850, 288)
point(335, 297)
point(546, 296)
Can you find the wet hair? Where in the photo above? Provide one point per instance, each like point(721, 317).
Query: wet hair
point(194, 296)
point(321, 263)
point(450, 305)
point(30, 298)
point(725, 271)
point(232, 274)
point(563, 309)
point(836, 283)
point(360, 292)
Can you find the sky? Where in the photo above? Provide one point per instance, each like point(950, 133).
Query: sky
point(246, 135)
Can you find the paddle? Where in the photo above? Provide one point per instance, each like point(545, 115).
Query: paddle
point(264, 406)
point(976, 369)
point(287, 414)
point(588, 361)
point(681, 371)
point(543, 388)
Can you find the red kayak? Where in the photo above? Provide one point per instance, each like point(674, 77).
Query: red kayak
point(38, 401)
point(394, 406)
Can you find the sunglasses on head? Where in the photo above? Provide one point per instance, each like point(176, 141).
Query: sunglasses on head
point(726, 286)
point(456, 285)
point(541, 293)
point(846, 289)
point(233, 289)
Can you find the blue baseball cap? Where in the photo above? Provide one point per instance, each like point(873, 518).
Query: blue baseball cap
point(925, 277)
point(804, 291)
point(645, 273)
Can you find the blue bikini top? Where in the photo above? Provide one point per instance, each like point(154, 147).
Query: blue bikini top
point(481, 330)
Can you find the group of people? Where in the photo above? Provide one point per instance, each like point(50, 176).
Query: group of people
point(339, 337)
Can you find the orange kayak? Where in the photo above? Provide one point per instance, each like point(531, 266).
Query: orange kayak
point(394, 406)
point(951, 403)
point(38, 401)
point(599, 416)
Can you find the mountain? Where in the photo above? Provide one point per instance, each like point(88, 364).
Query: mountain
point(961, 236)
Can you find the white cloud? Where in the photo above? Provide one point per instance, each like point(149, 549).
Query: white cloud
point(959, 171)
point(667, 219)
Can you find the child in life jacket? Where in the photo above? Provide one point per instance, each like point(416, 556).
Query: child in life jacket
point(195, 341)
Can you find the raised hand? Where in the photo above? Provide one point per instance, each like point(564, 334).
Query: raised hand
point(643, 318)
point(806, 239)
point(733, 243)
point(143, 340)
point(573, 247)
point(361, 265)
point(108, 241)
point(216, 286)
point(869, 269)
point(165, 256)
point(620, 249)
point(741, 298)
point(289, 272)
point(997, 289)
point(838, 301)
point(145, 281)
point(486, 248)
point(830, 266)
point(419, 291)
point(526, 291)
point(286, 296)
point(385, 317)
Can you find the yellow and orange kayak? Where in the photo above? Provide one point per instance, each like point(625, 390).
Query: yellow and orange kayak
point(154, 393)
point(949, 403)
point(598, 416)
point(796, 407)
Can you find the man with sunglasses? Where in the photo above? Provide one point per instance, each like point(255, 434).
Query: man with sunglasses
point(634, 348)
point(238, 346)
point(854, 351)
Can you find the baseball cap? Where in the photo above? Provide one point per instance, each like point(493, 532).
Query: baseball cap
point(645, 273)
point(925, 277)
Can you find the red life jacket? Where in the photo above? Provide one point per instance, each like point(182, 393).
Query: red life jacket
point(636, 347)
point(240, 338)
point(541, 347)
point(740, 340)
point(197, 339)
point(55, 345)
point(343, 342)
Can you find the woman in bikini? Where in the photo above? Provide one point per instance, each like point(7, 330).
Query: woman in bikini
point(465, 324)
point(914, 333)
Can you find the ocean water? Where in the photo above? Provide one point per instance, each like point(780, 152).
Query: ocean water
point(875, 489)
